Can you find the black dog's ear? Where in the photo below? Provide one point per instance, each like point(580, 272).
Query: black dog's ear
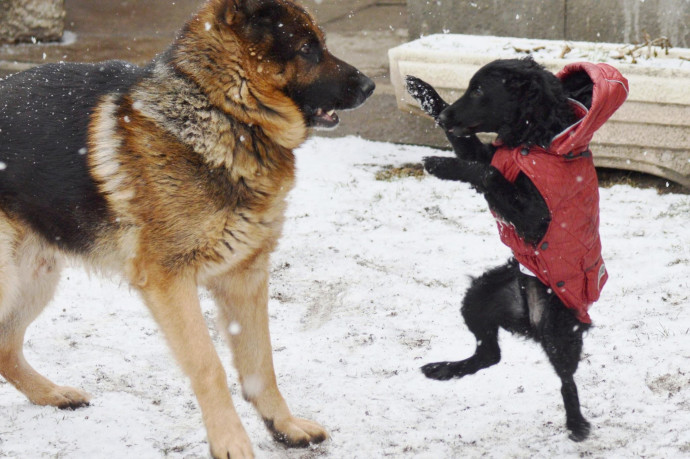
point(539, 94)
point(542, 90)
point(521, 73)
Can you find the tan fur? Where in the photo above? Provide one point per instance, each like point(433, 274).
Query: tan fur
point(29, 273)
point(247, 90)
point(195, 183)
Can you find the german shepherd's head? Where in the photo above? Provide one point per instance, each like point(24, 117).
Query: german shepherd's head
point(265, 62)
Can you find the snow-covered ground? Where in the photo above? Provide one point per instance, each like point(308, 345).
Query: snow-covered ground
point(366, 287)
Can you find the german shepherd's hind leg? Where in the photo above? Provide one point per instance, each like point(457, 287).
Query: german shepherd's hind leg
point(562, 341)
point(29, 274)
point(242, 299)
point(493, 300)
point(174, 303)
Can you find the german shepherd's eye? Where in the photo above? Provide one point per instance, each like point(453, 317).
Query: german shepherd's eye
point(310, 52)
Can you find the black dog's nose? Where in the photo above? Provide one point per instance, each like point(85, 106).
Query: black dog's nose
point(450, 123)
point(444, 120)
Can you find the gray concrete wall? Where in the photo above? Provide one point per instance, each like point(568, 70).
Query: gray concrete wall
point(625, 21)
point(528, 18)
point(329, 10)
point(615, 21)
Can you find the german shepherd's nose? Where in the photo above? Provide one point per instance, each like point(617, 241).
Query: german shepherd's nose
point(360, 87)
point(367, 86)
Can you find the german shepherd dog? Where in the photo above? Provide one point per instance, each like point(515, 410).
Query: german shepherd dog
point(173, 176)
point(526, 106)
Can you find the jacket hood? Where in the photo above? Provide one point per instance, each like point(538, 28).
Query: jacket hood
point(609, 89)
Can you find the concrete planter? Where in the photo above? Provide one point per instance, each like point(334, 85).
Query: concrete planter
point(650, 133)
point(31, 20)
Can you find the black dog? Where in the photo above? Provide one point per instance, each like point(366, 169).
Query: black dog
point(526, 106)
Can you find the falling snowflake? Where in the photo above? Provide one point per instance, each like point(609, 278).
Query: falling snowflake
point(234, 328)
point(252, 386)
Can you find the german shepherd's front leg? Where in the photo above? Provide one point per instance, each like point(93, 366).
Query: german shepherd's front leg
point(242, 298)
point(174, 303)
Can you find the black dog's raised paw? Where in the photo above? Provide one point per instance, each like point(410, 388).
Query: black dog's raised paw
point(426, 95)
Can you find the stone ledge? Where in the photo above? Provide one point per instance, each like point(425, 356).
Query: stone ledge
point(31, 20)
point(650, 133)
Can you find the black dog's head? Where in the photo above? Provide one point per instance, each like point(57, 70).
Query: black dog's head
point(516, 98)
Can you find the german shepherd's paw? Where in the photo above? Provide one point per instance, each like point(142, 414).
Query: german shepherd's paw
point(426, 95)
point(296, 432)
point(233, 444)
point(63, 397)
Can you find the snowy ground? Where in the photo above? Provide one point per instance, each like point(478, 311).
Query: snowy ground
point(366, 288)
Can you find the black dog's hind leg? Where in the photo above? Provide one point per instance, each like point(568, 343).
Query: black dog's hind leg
point(561, 338)
point(493, 300)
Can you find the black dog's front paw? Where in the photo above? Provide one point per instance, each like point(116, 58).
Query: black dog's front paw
point(443, 167)
point(441, 371)
point(426, 95)
point(579, 430)
point(433, 164)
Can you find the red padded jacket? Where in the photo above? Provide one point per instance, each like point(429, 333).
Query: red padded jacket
point(568, 258)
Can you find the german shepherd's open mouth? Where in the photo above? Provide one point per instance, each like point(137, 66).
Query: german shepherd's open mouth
point(357, 89)
point(345, 90)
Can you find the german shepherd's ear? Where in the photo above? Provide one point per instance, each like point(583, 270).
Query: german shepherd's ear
point(255, 12)
point(253, 7)
point(227, 11)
